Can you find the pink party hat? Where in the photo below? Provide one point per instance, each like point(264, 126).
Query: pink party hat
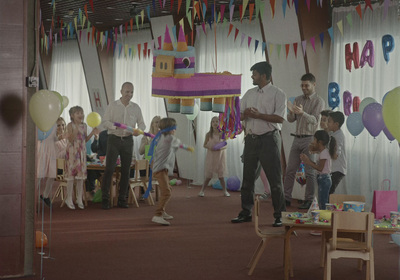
point(167, 46)
point(182, 46)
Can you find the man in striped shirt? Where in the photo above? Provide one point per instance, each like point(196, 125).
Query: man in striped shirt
point(305, 110)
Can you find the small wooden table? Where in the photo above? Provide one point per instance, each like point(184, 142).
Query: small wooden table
point(291, 226)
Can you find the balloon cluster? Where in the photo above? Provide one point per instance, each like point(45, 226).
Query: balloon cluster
point(376, 117)
point(45, 107)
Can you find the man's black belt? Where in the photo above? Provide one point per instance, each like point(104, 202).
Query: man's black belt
point(300, 136)
point(254, 136)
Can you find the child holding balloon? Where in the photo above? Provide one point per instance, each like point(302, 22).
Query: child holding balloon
point(216, 157)
point(75, 157)
point(325, 145)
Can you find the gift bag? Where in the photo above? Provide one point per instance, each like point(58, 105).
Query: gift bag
point(384, 201)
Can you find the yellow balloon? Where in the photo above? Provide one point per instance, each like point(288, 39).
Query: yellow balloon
point(65, 101)
point(391, 112)
point(93, 119)
point(45, 108)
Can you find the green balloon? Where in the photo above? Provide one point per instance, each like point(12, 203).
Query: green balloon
point(391, 112)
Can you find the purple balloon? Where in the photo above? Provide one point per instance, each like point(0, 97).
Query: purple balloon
point(388, 134)
point(372, 119)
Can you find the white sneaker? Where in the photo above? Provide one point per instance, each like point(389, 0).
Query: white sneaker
point(201, 194)
point(70, 205)
point(160, 220)
point(80, 205)
point(166, 216)
point(227, 194)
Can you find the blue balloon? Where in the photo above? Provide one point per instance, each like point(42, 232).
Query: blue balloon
point(333, 95)
point(387, 46)
point(354, 123)
point(43, 135)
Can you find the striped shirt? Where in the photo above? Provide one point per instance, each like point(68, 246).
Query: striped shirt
point(307, 123)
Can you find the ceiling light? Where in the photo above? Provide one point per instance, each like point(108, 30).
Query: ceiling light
point(99, 22)
point(110, 8)
point(165, 12)
point(223, 2)
point(118, 19)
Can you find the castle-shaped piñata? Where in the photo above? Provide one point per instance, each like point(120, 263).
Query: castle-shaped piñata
point(174, 78)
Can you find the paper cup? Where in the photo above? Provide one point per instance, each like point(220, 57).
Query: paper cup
point(315, 217)
point(394, 217)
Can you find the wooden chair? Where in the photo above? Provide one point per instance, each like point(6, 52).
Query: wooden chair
point(62, 186)
point(326, 235)
point(343, 248)
point(138, 181)
point(265, 235)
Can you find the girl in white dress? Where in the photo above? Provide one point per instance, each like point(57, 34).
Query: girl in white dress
point(215, 161)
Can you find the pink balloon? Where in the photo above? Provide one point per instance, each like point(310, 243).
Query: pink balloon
point(356, 103)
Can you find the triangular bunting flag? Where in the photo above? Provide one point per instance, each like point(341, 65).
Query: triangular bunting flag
point(272, 3)
point(230, 29)
point(243, 36)
point(312, 41)
point(349, 19)
point(256, 42)
point(245, 2)
point(278, 49)
point(330, 31)
point(249, 41)
point(321, 37)
point(284, 7)
point(308, 2)
point(236, 33)
point(139, 47)
point(287, 47)
point(340, 26)
point(304, 45)
point(271, 49)
point(295, 49)
point(179, 5)
point(368, 5)
point(222, 11)
point(231, 10)
point(251, 11)
point(263, 46)
point(358, 9)
point(385, 8)
point(296, 5)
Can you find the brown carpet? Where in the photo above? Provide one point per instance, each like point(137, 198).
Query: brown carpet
point(201, 243)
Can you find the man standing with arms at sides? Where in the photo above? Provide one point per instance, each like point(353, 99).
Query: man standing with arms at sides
point(306, 111)
point(263, 109)
point(120, 142)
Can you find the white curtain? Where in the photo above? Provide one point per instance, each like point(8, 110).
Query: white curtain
point(237, 58)
point(369, 160)
point(67, 76)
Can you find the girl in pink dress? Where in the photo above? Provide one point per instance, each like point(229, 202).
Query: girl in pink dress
point(75, 157)
point(216, 158)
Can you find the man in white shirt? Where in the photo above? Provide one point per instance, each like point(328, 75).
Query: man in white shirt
point(262, 109)
point(120, 142)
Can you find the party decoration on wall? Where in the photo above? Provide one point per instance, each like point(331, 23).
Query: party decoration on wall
point(372, 119)
point(93, 119)
point(233, 184)
point(365, 102)
point(347, 100)
point(354, 123)
point(229, 121)
point(333, 95)
point(391, 112)
point(174, 78)
point(45, 108)
point(40, 238)
point(356, 104)
point(367, 54)
point(352, 56)
point(387, 46)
